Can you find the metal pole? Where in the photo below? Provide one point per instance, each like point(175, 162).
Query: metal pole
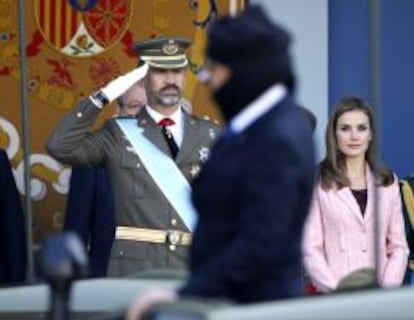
point(375, 20)
point(26, 141)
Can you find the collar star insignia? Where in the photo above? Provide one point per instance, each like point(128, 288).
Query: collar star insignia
point(195, 169)
point(204, 152)
point(212, 133)
point(131, 149)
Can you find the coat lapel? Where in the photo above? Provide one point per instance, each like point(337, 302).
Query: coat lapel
point(190, 138)
point(346, 196)
point(151, 131)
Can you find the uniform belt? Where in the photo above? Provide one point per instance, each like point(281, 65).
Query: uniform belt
point(172, 237)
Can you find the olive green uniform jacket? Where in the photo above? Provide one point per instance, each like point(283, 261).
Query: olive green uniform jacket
point(138, 200)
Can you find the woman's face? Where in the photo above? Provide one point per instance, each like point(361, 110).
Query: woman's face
point(353, 133)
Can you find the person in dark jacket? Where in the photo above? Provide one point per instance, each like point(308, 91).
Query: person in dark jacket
point(12, 229)
point(254, 192)
point(90, 207)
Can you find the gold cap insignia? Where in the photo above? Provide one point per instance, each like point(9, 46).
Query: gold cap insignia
point(170, 47)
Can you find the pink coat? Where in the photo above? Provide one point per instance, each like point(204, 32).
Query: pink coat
point(339, 240)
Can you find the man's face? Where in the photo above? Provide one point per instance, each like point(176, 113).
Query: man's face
point(133, 100)
point(165, 87)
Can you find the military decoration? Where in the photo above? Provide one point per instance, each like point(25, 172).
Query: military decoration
point(212, 133)
point(203, 153)
point(195, 170)
point(170, 47)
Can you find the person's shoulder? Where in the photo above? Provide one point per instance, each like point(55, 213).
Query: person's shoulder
point(111, 122)
point(383, 175)
point(205, 121)
point(206, 126)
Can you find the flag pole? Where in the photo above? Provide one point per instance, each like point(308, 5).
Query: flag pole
point(24, 106)
point(375, 97)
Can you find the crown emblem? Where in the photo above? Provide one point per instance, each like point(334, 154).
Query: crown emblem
point(170, 47)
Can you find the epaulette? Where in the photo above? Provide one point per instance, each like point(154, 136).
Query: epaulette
point(125, 117)
point(206, 119)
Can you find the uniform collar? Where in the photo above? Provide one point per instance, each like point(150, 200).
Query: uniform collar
point(258, 107)
point(176, 116)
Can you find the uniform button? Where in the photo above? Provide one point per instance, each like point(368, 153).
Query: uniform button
point(138, 165)
point(173, 222)
point(121, 253)
point(79, 115)
point(172, 247)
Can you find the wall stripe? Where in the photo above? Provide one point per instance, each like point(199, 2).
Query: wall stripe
point(42, 13)
point(63, 22)
point(52, 17)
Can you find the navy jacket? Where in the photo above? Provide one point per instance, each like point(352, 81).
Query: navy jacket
point(252, 197)
point(90, 213)
point(12, 227)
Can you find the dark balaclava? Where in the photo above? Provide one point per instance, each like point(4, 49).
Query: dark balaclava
point(256, 51)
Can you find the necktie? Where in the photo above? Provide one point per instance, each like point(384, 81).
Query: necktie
point(164, 123)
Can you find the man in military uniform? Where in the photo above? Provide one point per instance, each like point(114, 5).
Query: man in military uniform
point(151, 233)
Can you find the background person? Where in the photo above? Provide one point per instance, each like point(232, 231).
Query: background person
point(339, 237)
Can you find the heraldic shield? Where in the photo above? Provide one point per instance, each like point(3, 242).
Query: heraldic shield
point(82, 27)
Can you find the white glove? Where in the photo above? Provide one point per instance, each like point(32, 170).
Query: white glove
point(118, 86)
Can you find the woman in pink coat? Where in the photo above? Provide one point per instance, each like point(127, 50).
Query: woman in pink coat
point(339, 234)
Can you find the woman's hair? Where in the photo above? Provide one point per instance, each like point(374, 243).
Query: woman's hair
point(332, 168)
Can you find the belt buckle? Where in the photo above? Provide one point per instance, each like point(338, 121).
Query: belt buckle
point(173, 237)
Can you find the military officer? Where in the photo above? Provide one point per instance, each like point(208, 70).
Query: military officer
point(153, 229)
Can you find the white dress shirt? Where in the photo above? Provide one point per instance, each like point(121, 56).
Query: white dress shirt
point(177, 129)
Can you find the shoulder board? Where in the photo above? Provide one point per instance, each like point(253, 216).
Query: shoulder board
point(206, 119)
point(125, 117)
